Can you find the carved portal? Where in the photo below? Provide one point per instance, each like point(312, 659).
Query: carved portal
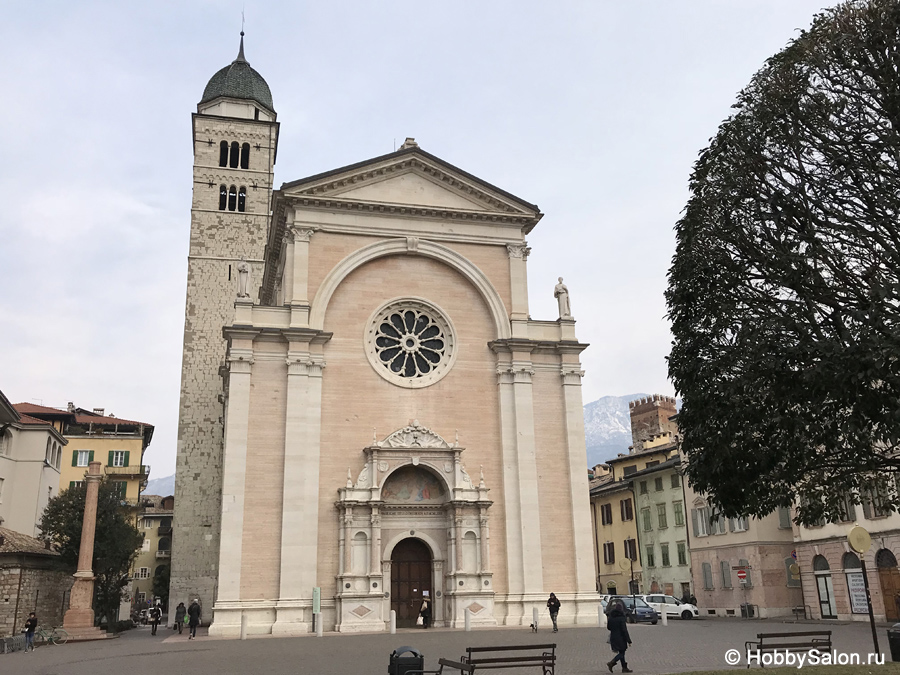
point(413, 484)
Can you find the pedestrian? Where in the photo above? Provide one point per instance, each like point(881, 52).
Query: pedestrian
point(693, 600)
point(686, 598)
point(553, 606)
point(155, 616)
point(618, 637)
point(194, 618)
point(30, 627)
point(180, 613)
point(425, 613)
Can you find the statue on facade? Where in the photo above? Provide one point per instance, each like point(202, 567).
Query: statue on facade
point(243, 269)
point(561, 293)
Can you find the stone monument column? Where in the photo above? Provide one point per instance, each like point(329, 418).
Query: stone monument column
point(79, 619)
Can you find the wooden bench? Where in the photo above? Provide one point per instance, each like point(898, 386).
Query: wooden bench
point(800, 641)
point(452, 665)
point(513, 656)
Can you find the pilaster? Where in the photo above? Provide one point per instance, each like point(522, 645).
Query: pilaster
point(518, 284)
point(300, 275)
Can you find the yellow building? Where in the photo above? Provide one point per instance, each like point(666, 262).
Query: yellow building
point(118, 444)
point(153, 560)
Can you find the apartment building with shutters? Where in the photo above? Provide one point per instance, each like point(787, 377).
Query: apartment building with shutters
point(118, 444)
point(154, 558)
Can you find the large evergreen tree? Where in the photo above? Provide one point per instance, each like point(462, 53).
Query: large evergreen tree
point(116, 541)
point(784, 292)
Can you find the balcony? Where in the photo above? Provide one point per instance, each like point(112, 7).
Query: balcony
point(164, 554)
point(164, 531)
point(141, 471)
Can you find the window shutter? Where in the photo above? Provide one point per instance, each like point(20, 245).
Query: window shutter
point(74, 458)
point(694, 519)
point(867, 506)
point(71, 484)
point(127, 453)
point(109, 461)
point(90, 456)
point(622, 508)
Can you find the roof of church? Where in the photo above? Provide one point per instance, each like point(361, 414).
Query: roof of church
point(239, 80)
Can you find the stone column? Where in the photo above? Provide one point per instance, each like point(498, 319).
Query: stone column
point(79, 619)
point(348, 540)
point(485, 542)
point(375, 552)
point(458, 522)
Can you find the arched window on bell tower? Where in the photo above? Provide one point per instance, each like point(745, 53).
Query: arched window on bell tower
point(242, 198)
point(232, 198)
point(245, 156)
point(235, 155)
point(223, 197)
point(223, 153)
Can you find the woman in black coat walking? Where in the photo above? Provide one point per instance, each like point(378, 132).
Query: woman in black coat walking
point(618, 636)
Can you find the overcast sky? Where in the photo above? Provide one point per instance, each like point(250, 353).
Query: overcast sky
point(595, 111)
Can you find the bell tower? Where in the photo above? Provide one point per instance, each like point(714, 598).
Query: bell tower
point(235, 137)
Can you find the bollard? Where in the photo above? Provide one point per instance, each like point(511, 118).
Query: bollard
point(244, 622)
point(664, 615)
point(393, 621)
point(468, 615)
point(601, 617)
point(534, 617)
point(319, 624)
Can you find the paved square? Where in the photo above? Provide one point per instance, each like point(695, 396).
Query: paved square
point(680, 646)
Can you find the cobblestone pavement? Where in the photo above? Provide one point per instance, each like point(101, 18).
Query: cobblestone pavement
point(680, 646)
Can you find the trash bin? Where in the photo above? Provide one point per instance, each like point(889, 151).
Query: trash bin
point(405, 659)
point(894, 641)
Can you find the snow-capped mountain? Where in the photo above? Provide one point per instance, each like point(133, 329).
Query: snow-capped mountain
point(607, 427)
point(163, 486)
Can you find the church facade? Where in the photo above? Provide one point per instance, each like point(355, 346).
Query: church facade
point(367, 408)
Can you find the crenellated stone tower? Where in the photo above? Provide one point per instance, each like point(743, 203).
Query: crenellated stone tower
point(651, 416)
point(235, 142)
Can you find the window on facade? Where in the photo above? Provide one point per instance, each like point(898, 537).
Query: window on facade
point(643, 487)
point(76, 483)
point(678, 509)
point(847, 509)
point(143, 573)
point(245, 156)
point(707, 577)
point(1, 490)
point(700, 518)
point(48, 451)
point(165, 544)
point(682, 553)
point(645, 518)
point(145, 545)
point(649, 464)
point(242, 199)
point(117, 458)
point(873, 500)
point(628, 470)
point(609, 553)
point(223, 153)
point(232, 198)
point(664, 555)
point(739, 524)
point(627, 510)
point(606, 514)
point(5, 442)
point(235, 155)
point(717, 524)
point(121, 488)
point(630, 549)
point(661, 520)
point(651, 562)
point(223, 197)
point(676, 481)
point(82, 457)
point(141, 598)
point(784, 517)
point(726, 573)
point(658, 484)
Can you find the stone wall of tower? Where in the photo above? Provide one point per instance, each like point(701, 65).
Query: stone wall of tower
point(650, 416)
point(218, 240)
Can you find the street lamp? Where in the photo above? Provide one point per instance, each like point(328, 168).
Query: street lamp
point(860, 542)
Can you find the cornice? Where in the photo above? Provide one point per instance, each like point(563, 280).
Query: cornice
point(510, 345)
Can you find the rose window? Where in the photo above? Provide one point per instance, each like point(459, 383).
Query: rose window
point(410, 343)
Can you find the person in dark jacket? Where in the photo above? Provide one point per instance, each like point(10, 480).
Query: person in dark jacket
point(30, 627)
point(425, 612)
point(618, 637)
point(155, 617)
point(180, 613)
point(194, 618)
point(553, 606)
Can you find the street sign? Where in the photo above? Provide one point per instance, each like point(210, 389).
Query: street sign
point(859, 539)
point(795, 569)
point(741, 567)
point(742, 575)
point(794, 554)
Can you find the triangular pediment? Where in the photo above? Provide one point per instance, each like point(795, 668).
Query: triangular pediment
point(412, 178)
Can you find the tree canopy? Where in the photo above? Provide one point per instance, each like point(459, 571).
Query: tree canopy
point(116, 540)
point(783, 292)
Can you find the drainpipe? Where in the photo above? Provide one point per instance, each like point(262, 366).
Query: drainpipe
point(18, 597)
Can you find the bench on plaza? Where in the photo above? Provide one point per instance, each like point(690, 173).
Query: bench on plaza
point(799, 641)
point(512, 656)
point(452, 665)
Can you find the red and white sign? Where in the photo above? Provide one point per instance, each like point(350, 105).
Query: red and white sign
point(742, 575)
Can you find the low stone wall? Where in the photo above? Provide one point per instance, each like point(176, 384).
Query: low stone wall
point(32, 583)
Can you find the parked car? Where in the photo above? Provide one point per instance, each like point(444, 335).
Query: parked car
point(636, 610)
point(672, 606)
